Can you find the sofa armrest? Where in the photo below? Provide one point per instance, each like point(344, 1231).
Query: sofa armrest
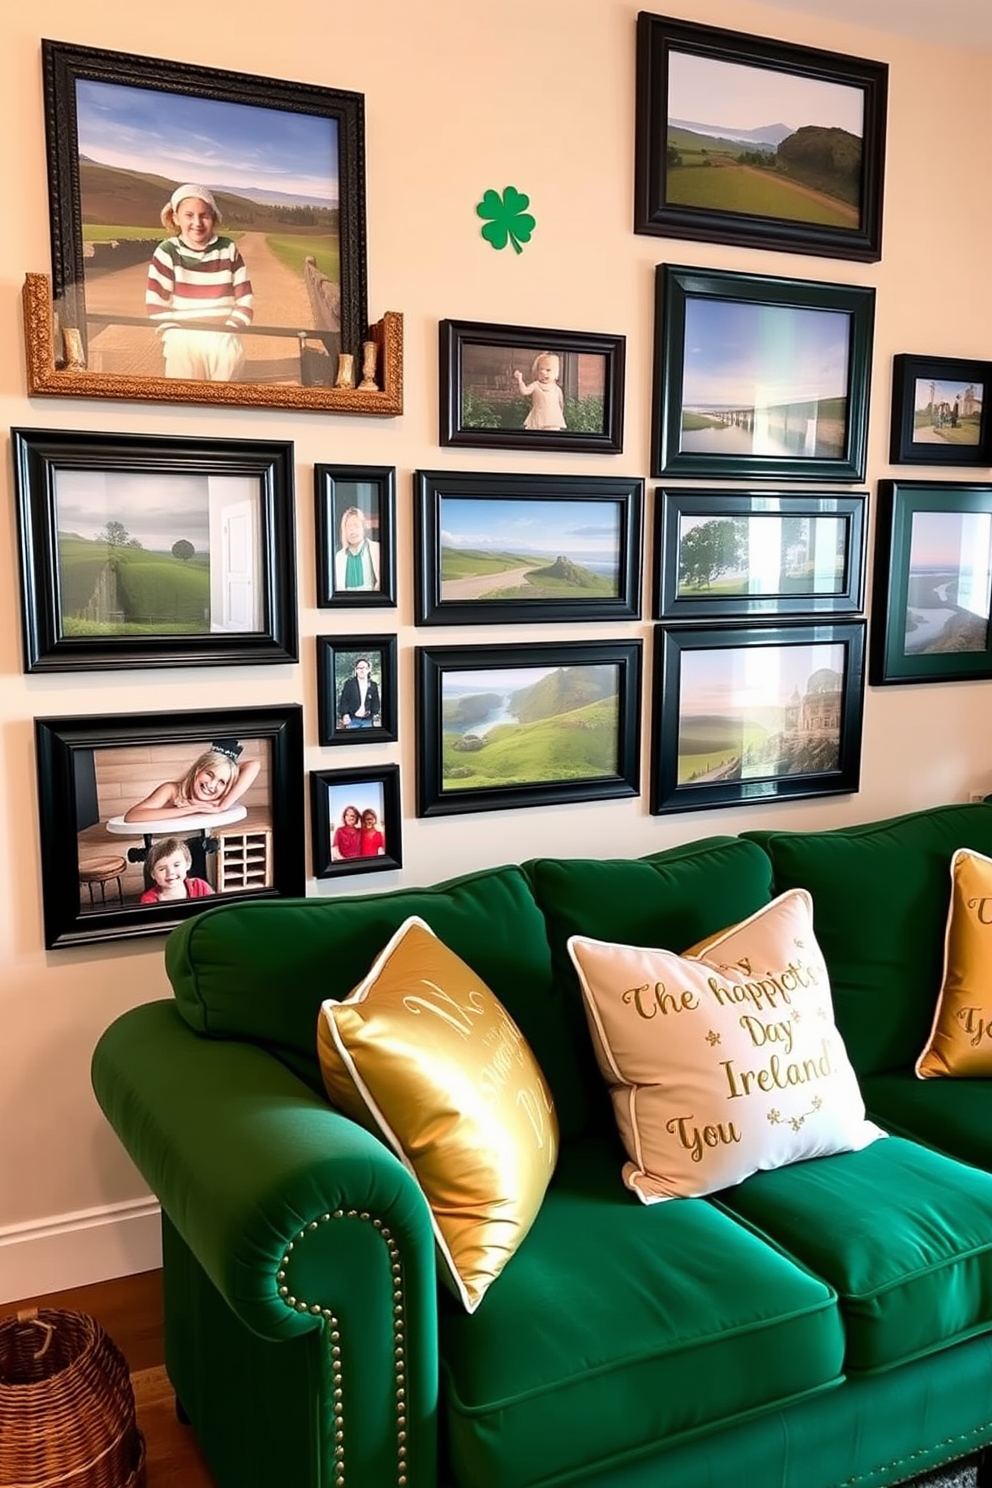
point(300, 1218)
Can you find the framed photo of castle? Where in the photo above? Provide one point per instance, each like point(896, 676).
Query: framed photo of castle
point(743, 139)
point(524, 387)
point(276, 171)
point(940, 411)
point(748, 714)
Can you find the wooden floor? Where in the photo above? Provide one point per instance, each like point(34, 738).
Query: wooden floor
point(130, 1311)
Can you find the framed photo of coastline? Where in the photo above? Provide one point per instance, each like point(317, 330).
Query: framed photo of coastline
point(742, 139)
point(356, 689)
point(932, 587)
point(283, 164)
point(731, 554)
point(494, 548)
point(144, 550)
point(940, 411)
point(146, 819)
point(748, 714)
point(527, 725)
point(356, 821)
point(523, 387)
point(758, 377)
point(355, 518)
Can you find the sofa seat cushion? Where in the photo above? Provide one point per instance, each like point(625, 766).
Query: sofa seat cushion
point(955, 1116)
point(880, 896)
point(903, 1234)
point(261, 970)
point(656, 1322)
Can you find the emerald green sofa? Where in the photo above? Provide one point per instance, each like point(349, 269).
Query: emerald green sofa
point(825, 1324)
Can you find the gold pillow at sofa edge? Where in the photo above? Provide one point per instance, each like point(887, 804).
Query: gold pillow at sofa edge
point(423, 1051)
point(679, 1109)
point(960, 1042)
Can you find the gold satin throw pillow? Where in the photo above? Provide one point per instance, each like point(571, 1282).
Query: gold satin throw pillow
point(723, 1061)
point(422, 1052)
point(960, 1041)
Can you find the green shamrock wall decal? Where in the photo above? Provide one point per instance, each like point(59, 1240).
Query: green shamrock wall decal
point(509, 221)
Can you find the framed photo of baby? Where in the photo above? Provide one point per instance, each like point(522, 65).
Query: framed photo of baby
point(206, 246)
point(355, 819)
point(149, 818)
point(356, 689)
point(354, 517)
point(526, 387)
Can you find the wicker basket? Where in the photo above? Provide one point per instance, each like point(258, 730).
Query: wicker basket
point(67, 1413)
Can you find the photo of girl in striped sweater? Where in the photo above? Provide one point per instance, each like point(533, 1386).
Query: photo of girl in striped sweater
point(198, 293)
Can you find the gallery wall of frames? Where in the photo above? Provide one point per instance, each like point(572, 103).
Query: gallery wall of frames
point(754, 669)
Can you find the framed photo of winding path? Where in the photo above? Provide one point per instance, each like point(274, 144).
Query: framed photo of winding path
point(742, 139)
point(494, 548)
point(254, 292)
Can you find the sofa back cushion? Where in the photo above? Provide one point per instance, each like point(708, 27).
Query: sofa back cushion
point(260, 970)
point(671, 899)
point(880, 898)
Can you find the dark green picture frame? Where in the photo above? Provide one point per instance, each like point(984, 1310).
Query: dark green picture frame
point(916, 520)
point(813, 432)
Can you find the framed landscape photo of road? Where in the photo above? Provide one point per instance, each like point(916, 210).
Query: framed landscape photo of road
point(747, 714)
point(940, 411)
point(146, 819)
point(493, 548)
point(154, 550)
point(758, 377)
point(742, 139)
point(355, 820)
point(355, 516)
point(522, 387)
point(207, 227)
point(731, 554)
point(932, 585)
point(356, 689)
point(528, 725)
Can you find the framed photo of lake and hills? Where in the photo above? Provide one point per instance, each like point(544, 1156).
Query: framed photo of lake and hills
point(759, 377)
point(932, 590)
point(742, 139)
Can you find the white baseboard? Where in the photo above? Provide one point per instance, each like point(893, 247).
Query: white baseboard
point(73, 1250)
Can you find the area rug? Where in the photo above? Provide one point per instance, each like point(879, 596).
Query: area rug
point(961, 1475)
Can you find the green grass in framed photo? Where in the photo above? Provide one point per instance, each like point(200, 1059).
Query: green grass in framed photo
point(940, 411)
point(759, 377)
point(527, 725)
point(932, 589)
point(730, 554)
point(742, 139)
point(747, 714)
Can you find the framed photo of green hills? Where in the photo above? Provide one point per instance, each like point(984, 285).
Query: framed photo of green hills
point(494, 548)
point(153, 550)
point(527, 725)
point(253, 303)
point(742, 139)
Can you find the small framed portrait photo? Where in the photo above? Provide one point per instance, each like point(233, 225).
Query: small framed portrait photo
point(355, 818)
point(356, 689)
point(355, 507)
point(940, 411)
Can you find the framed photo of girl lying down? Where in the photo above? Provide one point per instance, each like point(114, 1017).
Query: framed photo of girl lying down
point(146, 818)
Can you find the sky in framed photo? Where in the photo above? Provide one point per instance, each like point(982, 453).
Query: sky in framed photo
point(157, 553)
point(502, 548)
point(274, 173)
point(947, 412)
point(949, 583)
point(761, 553)
point(734, 142)
point(764, 379)
point(751, 712)
point(504, 726)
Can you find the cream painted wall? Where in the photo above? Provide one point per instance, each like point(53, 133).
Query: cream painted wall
point(459, 97)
